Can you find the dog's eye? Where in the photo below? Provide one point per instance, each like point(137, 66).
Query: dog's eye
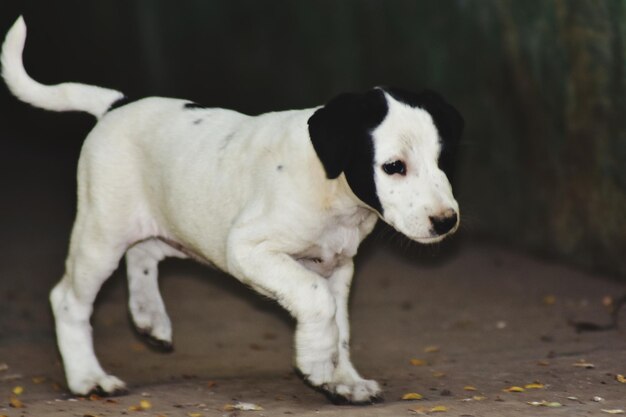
point(395, 167)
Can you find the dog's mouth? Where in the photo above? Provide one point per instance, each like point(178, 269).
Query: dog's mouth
point(428, 240)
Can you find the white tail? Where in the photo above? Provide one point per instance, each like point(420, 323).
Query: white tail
point(60, 97)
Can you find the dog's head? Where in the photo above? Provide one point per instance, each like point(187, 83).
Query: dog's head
point(395, 149)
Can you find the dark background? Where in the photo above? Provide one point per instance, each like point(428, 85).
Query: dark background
point(541, 84)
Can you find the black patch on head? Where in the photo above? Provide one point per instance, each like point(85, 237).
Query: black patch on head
point(191, 105)
point(341, 136)
point(447, 119)
point(119, 103)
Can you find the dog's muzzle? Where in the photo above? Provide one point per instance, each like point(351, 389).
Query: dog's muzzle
point(444, 223)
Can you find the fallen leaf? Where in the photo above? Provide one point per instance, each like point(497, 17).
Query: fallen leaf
point(543, 363)
point(18, 390)
point(469, 388)
point(419, 410)
point(94, 397)
point(534, 385)
point(145, 404)
point(39, 380)
point(195, 414)
point(242, 407)
point(584, 364)
point(438, 409)
point(544, 403)
point(431, 349)
point(16, 403)
point(412, 396)
point(620, 378)
point(439, 374)
point(514, 389)
point(418, 362)
point(549, 300)
point(475, 398)
point(138, 347)
point(11, 377)
point(614, 411)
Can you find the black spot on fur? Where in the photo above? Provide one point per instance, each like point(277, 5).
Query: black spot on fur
point(119, 103)
point(447, 119)
point(340, 133)
point(191, 105)
point(197, 121)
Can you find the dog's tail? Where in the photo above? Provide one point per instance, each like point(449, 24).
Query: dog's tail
point(60, 97)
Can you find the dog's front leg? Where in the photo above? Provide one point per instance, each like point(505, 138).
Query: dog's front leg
point(303, 293)
point(347, 383)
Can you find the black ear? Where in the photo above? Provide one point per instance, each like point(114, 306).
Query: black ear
point(447, 119)
point(340, 131)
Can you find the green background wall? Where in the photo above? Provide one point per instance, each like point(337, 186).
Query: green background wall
point(541, 83)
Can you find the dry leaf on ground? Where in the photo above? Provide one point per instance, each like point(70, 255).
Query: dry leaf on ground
point(584, 364)
point(418, 362)
point(242, 407)
point(410, 396)
point(544, 403)
point(425, 410)
point(514, 389)
point(16, 403)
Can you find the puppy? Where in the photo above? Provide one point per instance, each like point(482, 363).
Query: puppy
point(280, 201)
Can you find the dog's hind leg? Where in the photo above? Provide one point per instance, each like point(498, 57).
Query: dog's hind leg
point(145, 302)
point(93, 256)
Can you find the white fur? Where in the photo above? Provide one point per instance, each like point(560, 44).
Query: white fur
point(245, 194)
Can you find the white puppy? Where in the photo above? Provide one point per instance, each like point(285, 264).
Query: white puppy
point(280, 201)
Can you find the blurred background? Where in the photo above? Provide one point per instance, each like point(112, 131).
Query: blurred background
point(541, 84)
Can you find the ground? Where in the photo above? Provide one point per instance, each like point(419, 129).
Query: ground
point(431, 321)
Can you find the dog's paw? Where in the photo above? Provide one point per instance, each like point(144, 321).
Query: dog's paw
point(154, 326)
point(153, 342)
point(359, 391)
point(346, 390)
point(317, 373)
point(103, 385)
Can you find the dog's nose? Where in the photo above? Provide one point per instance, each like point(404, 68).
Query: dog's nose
point(444, 223)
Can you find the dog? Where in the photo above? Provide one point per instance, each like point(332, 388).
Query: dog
point(280, 201)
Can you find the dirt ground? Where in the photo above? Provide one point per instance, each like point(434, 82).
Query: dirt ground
point(433, 322)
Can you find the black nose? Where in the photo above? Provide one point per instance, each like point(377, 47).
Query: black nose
point(443, 224)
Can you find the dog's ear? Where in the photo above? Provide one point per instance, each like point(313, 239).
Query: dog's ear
point(447, 119)
point(340, 131)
